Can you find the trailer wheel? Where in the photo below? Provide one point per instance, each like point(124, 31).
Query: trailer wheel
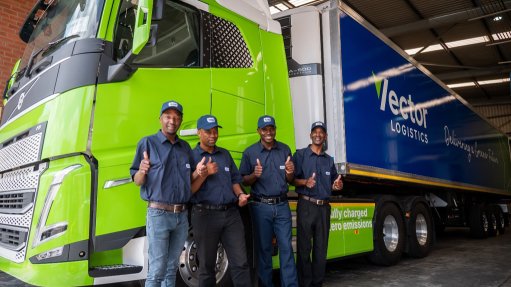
point(478, 222)
point(420, 231)
point(189, 266)
point(388, 236)
point(501, 223)
point(492, 221)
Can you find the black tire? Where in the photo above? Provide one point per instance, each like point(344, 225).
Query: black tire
point(501, 222)
point(188, 269)
point(389, 236)
point(420, 232)
point(492, 221)
point(478, 222)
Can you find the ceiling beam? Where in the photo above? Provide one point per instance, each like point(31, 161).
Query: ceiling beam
point(438, 21)
point(488, 71)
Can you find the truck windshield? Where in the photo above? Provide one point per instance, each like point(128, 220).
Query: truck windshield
point(62, 21)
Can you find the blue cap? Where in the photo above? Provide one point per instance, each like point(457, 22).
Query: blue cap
point(207, 122)
point(171, 105)
point(319, 124)
point(265, 121)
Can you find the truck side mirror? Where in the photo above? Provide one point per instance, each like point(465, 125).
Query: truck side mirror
point(142, 25)
point(11, 80)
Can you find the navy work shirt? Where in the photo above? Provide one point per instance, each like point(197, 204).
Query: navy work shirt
point(272, 182)
point(306, 163)
point(169, 177)
point(217, 188)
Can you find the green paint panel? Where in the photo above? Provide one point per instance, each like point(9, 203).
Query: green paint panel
point(127, 111)
point(68, 117)
point(276, 83)
point(120, 207)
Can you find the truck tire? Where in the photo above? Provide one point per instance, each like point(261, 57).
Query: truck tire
point(188, 274)
point(501, 223)
point(492, 221)
point(388, 236)
point(420, 232)
point(478, 222)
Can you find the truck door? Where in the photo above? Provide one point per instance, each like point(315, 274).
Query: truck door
point(238, 95)
point(170, 67)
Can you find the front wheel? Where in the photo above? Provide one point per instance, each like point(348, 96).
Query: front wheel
point(389, 236)
point(189, 266)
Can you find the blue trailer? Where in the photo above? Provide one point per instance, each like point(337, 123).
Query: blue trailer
point(399, 135)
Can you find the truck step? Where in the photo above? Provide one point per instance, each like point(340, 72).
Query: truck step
point(112, 270)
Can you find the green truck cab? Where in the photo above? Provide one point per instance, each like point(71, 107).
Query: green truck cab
point(88, 87)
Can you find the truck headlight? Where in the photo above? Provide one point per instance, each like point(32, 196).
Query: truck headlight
point(44, 233)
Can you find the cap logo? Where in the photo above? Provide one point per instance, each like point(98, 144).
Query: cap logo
point(267, 120)
point(210, 120)
point(173, 104)
point(318, 124)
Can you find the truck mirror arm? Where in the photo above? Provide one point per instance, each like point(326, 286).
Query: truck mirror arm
point(122, 70)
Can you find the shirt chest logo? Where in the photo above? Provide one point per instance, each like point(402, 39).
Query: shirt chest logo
point(227, 169)
point(187, 165)
point(327, 173)
point(282, 167)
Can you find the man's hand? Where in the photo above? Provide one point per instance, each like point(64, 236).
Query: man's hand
point(290, 166)
point(212, 167)
point(243, 199)
point(258, 169)
point(202, 169)
point(145, 164)
point(311, 181)
point(338, 184)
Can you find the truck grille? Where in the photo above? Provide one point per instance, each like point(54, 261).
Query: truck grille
point(20, 152)
point(20, 170)
point(13, 238)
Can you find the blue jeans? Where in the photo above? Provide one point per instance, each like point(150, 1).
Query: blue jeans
point(268, 220)
point(166, 235)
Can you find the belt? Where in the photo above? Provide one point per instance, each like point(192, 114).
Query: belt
point(175, 208)
point(314, 200)
point(270, 200)
point(221, 207)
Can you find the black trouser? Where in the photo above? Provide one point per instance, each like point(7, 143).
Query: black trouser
point(211, 227)
point(313, 226)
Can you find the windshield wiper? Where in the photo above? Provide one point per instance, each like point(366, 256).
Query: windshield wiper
point(50, 47)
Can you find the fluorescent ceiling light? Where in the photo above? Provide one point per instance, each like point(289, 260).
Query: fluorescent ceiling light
point(274, 10)
point(281, 7)
point(481, 83)
point(461, 85)
point(496, 81)
point(461, 43)
point(300, 2)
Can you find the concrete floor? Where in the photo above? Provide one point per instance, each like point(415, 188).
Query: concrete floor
point(456, 260)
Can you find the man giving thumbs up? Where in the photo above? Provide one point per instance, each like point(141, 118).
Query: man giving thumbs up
point(267, 168)
point(315, 178)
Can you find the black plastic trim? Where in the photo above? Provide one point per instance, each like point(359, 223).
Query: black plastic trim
point(76, 251)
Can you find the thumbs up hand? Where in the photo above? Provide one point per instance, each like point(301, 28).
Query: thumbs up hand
point(290, 166)
point(338, 184)
point(212, 167)
point(145, 164)
point(311, 181)
point(201, 168)
point(258, 169)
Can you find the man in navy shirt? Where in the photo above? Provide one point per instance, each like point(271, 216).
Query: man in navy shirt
point(315, 178)
point(162, 167)
point(266, 166)
point(215, 216)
